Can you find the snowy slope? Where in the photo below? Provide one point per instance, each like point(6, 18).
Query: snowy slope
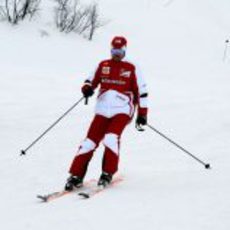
point(179, 45)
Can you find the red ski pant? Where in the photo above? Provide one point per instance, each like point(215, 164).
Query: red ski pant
point(101, 127)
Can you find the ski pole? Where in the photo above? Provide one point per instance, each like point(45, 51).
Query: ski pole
point(86, 100)
point(23, 152)
point(225, 50)
point(206, 165)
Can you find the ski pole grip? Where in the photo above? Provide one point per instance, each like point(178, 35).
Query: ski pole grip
point(86, 100)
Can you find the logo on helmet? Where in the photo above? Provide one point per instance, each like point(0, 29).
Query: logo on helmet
point(119, 42)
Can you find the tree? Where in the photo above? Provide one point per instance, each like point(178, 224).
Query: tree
point(71, 16)
point(17, 10)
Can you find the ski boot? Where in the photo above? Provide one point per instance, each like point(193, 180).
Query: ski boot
point(73, 182)
point(105, 179)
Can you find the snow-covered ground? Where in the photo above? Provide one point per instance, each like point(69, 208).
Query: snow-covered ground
point(179, 45)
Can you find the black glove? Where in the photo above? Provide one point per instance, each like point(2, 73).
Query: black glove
point(87, 90)
point(141, 120)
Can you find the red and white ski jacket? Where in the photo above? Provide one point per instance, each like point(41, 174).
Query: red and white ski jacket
point(122, 88)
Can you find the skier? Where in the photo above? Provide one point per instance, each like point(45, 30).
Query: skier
point(122, 89)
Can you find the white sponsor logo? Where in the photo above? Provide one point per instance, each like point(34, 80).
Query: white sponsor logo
point(106, 70)
point(115, 82)
point(125, 73)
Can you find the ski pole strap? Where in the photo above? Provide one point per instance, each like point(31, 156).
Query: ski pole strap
point(139, 128)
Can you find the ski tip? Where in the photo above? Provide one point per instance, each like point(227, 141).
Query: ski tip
point(207, 166)
point(42, 198)
point(84, 195)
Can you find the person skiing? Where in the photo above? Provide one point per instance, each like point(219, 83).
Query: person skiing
point(122, 89)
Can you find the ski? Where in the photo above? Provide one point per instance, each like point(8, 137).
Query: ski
point(96, 190)
point(55, 195)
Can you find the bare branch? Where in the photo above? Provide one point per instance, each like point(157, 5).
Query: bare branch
point(71, 16)
point(17, 10)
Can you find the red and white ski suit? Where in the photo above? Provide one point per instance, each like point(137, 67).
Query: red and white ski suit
point(122, 88)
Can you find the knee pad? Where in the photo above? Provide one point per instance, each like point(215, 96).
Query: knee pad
point(111, 141)
point(86, 146)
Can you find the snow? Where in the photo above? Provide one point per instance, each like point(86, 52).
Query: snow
point(179, 45)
